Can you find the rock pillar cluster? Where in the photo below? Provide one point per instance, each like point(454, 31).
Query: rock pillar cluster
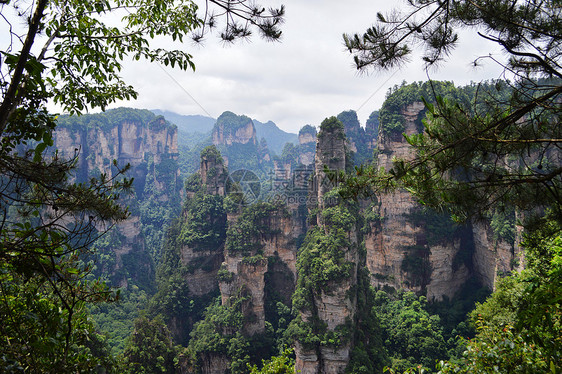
point(327, 267)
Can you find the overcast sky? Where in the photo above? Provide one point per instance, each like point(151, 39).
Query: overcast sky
point(301, 80)
point(305, 78)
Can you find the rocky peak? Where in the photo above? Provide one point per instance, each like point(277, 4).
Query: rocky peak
point(352, 128)
point(361, 141)
point(372, 124)
point(330, 305)
point(330, 149)
point(231, 128)
point(394, 145)
point(307, 135)
point(372, 129)
point(350, 121)
point(263, 151)
point(213, 172)
point(306, 147)
point(330, 152)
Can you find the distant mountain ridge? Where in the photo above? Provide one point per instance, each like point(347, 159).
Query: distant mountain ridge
point(273, 135)
point(187, 123)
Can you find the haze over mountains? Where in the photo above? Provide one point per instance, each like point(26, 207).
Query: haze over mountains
point(187, 124)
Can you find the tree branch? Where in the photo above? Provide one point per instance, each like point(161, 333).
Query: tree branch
point(9, 102)
point(539, 59)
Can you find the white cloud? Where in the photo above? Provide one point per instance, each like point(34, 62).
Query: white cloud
point(302, 80)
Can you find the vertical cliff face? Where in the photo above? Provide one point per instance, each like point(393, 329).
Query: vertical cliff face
point(257, 263)
point(193, 250)
point(213, 172)
point(494, 257)
point(372, 130)
point(307, 145)
point(353, 132)
point(422, 251)
point(259, 270)
point(203, 226)
point(261, 243)
point(330, 153)
point(129, 141)
point(393, 233)
point(327, 266)
point(235, 137)
point(401, 252)
point(149, 145)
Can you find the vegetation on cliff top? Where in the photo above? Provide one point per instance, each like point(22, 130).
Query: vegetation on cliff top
point(253, 225)
point(307, 129)
point(330, 126)
point(106, 120)
point(232, 122)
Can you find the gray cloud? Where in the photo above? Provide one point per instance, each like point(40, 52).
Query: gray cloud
point(302, 80)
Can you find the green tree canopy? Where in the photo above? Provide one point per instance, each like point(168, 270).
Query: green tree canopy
point(79, 63)
point(150, 348)
point(528, 31)
point(504, 145)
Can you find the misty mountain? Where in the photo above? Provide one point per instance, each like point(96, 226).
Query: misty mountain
point(274, 136)
point(189, 124)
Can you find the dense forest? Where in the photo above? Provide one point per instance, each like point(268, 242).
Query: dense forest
point(426, 240)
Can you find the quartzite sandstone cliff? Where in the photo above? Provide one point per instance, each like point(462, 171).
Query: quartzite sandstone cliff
point(148, 144)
